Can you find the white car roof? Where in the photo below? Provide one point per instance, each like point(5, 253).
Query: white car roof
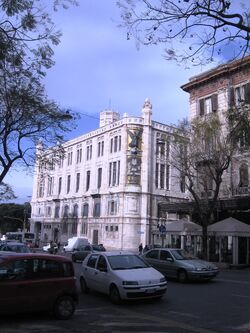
point(116, 253)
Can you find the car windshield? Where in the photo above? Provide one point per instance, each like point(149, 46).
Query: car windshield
point(126, 261)
point(182, 255)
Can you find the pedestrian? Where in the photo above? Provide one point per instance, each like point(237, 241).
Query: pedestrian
point(58, 246)
point(52, 247)
point(140, 248)
point(146, 248)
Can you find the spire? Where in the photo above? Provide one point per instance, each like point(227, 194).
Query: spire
point(147, 111)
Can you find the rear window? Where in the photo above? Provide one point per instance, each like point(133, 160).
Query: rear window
point(25, 269)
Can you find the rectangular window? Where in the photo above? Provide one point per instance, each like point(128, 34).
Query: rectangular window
point(97, 209)
point(114, 174)
point(99, 149)
point(156, 174)
point(102, 148)
point(99, 178)
point(88, 180)
point(110, 173)
point(115, 144)
point(242, 94)
point(68, 183)
point(57, 211)
point(60, 162)
point(70, 154)
point(111, 145)
point(120, 143)
point(208, 105)
point(77, 181)
point(162, 175)
point(118, 173)
point(167, 176)
point(89, 152)
point(50, 185)
point(112, 207)
point(41, 189)
point(79, 155)
point(59, 185)
point(167, 148)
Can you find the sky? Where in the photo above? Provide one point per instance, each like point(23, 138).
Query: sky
point(97, 68)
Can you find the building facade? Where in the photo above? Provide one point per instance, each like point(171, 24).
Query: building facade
point(217, 91)
point(109, 184)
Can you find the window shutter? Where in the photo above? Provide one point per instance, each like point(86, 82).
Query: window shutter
point(201, 110)
point(231, 97)
point(247, 93)
point(214, 102)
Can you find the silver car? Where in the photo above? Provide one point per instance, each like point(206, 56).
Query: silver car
point(176, 263)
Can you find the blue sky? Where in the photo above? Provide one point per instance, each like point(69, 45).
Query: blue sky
point(97, 68)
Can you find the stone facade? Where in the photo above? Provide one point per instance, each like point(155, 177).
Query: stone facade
point(109, 184)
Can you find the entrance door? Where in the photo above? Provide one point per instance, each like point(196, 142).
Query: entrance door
point(95, 237)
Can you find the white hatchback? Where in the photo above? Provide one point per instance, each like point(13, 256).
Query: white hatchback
point(122, 276)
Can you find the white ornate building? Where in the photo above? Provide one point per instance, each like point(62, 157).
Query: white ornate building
point(109, 184)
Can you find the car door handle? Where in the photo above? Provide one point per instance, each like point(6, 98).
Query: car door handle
point(96, 273)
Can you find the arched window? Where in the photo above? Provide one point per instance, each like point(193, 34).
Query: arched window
point(243, 175)
point(66, 211)
point(85, 210)
point(75, 210)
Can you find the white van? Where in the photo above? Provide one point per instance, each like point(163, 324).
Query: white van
point(75, 242)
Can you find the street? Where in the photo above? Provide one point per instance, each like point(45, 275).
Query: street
point(219, 306)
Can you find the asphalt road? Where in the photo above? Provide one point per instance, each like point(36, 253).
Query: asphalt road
point(219, 306)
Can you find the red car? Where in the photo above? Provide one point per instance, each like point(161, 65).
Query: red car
point(37, 282)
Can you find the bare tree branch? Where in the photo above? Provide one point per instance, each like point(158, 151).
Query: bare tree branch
point(196, 30)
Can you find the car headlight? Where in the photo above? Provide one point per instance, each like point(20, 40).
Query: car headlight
point(130, 283)
point(162, 279)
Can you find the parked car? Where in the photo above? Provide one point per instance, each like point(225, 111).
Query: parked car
point(122, 276)
point(15, 247)
point(81, 252)
point(176, 263)
point(51, 249)
point(37, 282)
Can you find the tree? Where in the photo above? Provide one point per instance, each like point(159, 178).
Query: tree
point(6, 192)
point(195, 30)
point(26, 113)
point(201, 158)
point(13, 216)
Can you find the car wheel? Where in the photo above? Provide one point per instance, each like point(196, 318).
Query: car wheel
point(64, 307)
point(114, 295)
point(84, 287)
point(182, 276)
